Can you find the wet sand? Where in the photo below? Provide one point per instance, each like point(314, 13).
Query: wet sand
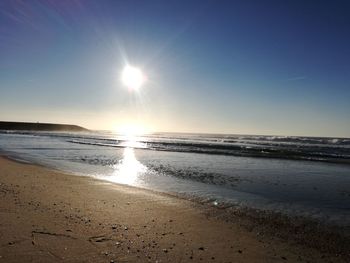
point(49, 216)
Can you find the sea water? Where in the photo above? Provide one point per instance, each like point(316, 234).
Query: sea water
point(294, 175)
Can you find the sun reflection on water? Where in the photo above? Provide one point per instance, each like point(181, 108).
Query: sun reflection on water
point(129, 169)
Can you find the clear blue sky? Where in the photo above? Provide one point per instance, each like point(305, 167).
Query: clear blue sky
point(253, 67)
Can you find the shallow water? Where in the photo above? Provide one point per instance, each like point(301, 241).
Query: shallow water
point(299, 187)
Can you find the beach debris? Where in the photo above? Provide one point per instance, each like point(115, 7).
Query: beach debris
point(126, 228)
point(51, 234)
point(201, 248)
point(99, 239)
point(165, 250)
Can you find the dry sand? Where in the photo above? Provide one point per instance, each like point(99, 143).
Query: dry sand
point(49, 216)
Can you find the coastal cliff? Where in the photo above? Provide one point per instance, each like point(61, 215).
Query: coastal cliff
point(31, 126)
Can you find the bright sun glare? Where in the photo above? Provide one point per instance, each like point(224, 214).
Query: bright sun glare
point(133, 77)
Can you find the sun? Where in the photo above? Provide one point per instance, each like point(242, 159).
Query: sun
point(132, 77)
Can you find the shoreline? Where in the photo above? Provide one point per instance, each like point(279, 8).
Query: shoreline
point(230, 207)
point(74, 213)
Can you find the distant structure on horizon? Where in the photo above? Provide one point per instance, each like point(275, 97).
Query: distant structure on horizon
point(31, 126)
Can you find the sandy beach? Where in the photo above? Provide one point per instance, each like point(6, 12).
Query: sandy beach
point(49, 216)
point(174, 131)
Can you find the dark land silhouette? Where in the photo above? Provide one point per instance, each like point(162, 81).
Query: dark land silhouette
point(31, 126)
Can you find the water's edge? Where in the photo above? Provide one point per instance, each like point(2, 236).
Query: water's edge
point(300, 230)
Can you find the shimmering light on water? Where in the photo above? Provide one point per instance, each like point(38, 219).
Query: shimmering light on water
point(170, 163)
point(132, 143)
point(128, 170)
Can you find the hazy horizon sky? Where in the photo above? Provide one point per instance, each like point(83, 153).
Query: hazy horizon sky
point(243, 67)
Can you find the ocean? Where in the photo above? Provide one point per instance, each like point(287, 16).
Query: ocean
point(293, 175)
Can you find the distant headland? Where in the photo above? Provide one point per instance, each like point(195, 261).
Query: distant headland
point(36, 126)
